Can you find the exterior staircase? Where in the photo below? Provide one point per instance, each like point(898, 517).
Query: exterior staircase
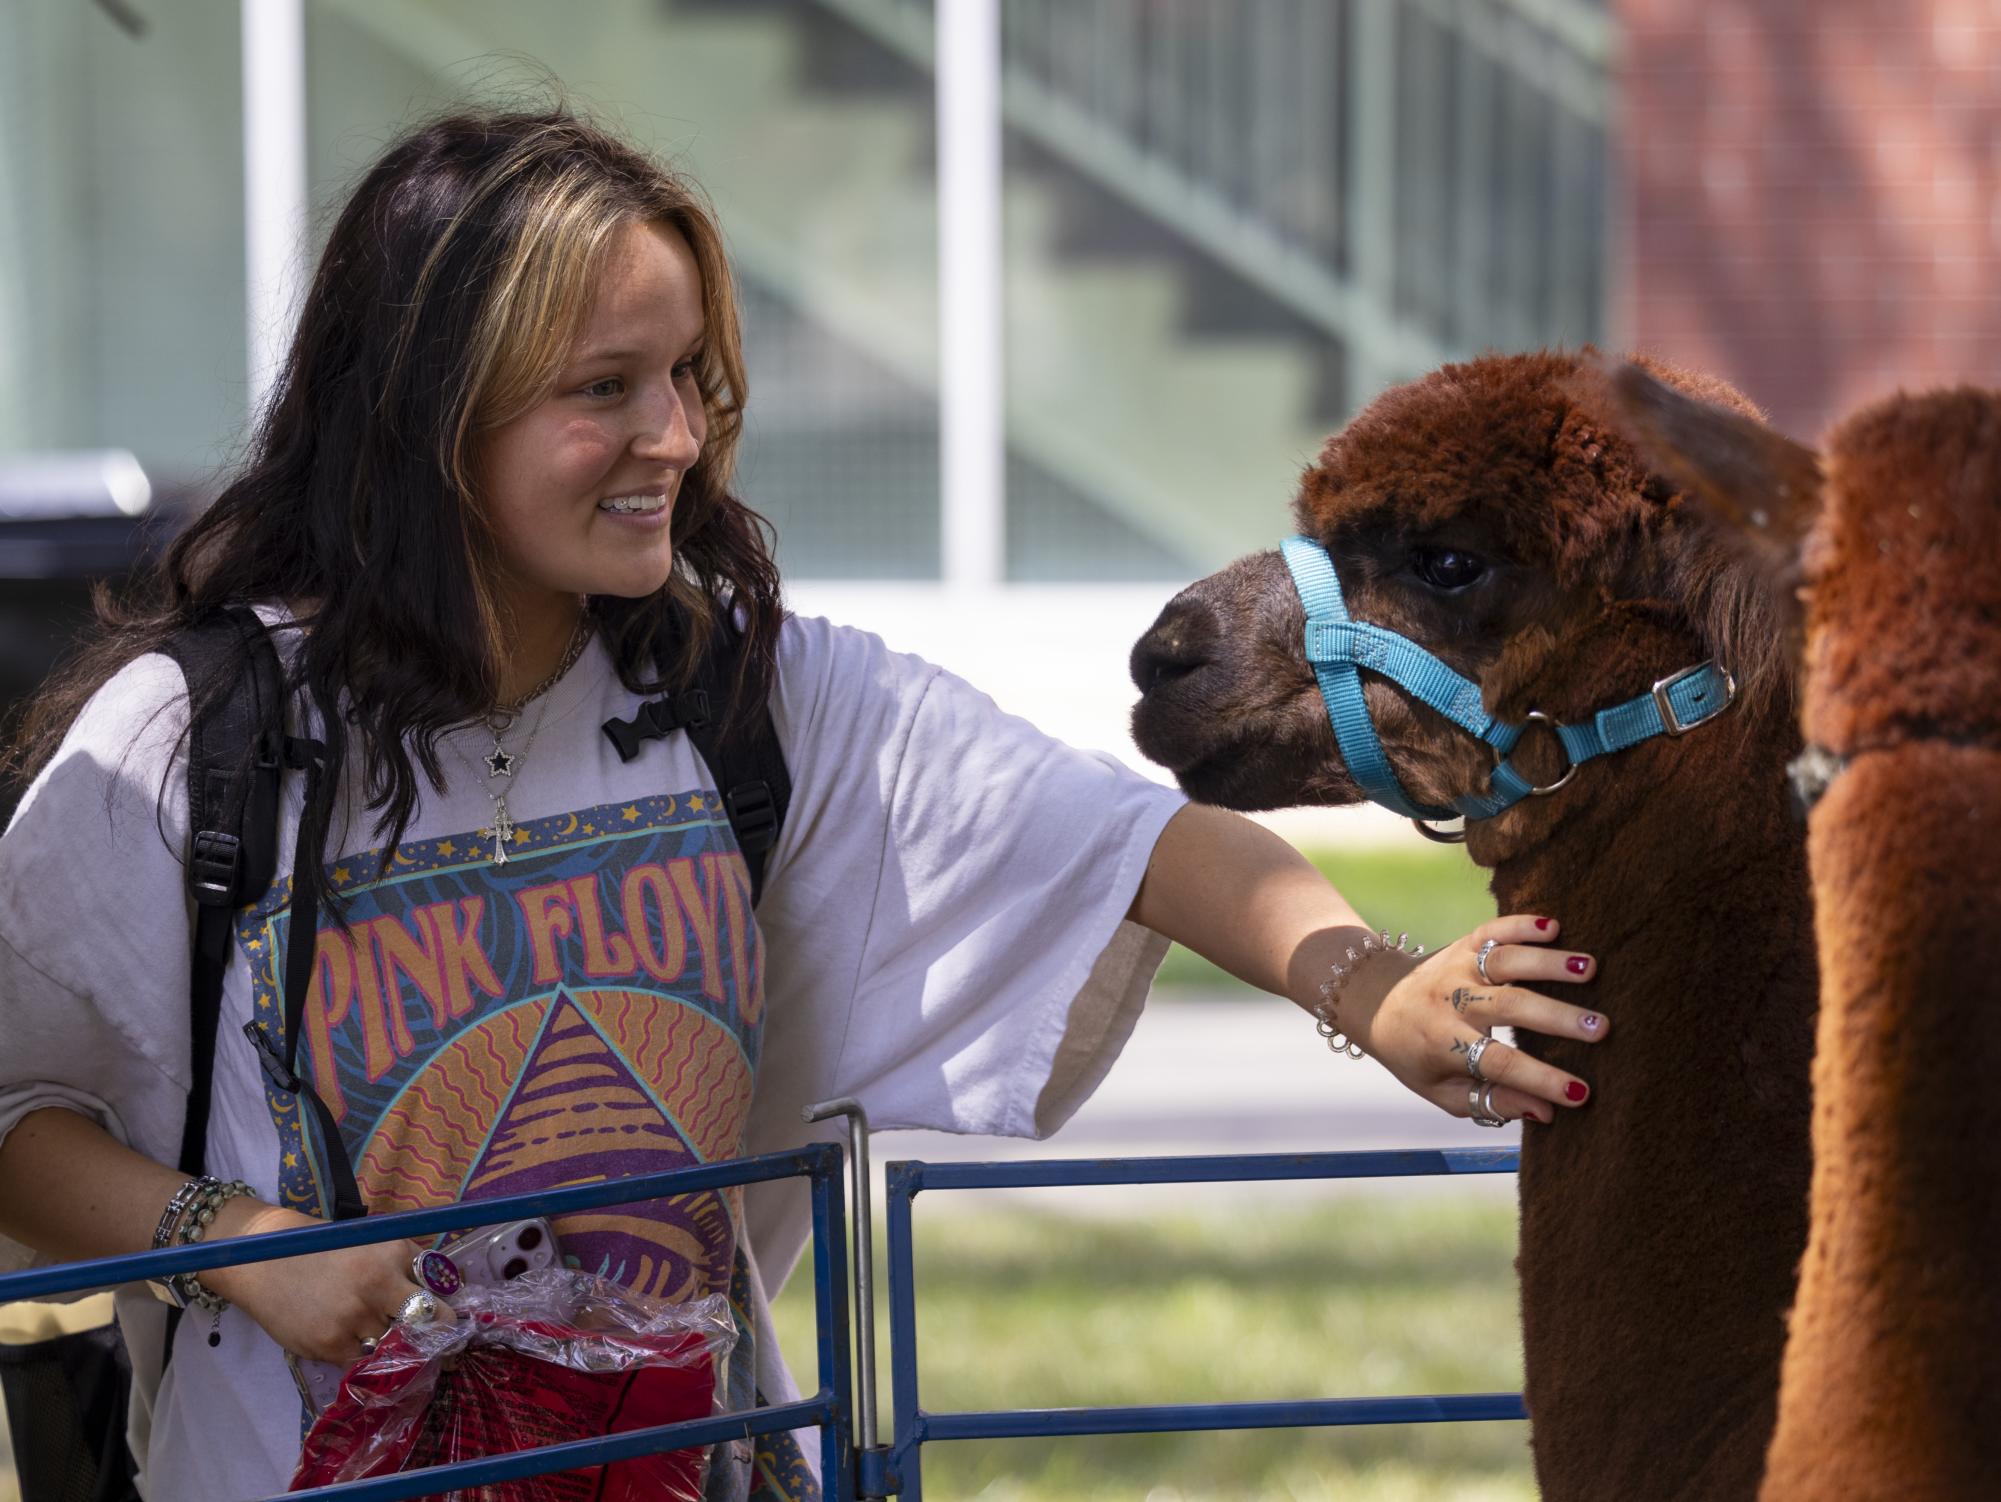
point(1155, 427)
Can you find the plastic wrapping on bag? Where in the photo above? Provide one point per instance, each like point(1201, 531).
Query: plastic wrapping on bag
point(555, 1355)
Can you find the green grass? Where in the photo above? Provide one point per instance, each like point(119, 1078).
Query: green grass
point(1366, 1296)
point(1434, 891)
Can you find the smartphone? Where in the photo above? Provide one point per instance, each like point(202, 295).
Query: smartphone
point(318, 1381)
point(494, 1254)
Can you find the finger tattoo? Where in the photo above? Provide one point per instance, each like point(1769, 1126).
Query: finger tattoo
point(1462, 998)
point(1459, 1045)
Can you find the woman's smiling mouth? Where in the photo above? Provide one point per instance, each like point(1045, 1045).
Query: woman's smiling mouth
point(633, 505)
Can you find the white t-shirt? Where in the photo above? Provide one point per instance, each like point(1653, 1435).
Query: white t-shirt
point(941, 935)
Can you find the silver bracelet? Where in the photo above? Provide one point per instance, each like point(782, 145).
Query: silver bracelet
point(189, 1215)
point(163, 1234)
point(1326, 1014)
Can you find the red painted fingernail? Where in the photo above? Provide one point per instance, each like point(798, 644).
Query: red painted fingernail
point(1575, 1091)
point(1542, 923)
point(1577, 964)
point(1589, 1022)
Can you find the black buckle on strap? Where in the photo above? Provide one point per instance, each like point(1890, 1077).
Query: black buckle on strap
point(214, 863)
point(753, 815)
point(656, 719)
point(275, 1068)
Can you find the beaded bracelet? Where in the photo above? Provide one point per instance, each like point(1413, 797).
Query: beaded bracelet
point(186, 1220)
point(1326, 1023)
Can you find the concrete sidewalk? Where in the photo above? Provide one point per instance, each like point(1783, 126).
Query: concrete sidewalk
point(1209, 1074)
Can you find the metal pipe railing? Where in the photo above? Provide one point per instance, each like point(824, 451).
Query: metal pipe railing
point(829, 1408)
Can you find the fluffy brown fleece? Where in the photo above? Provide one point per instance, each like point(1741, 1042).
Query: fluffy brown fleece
point(1889, 1387)
point(1662, 1223)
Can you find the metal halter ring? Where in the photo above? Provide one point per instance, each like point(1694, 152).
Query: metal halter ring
point(1481, 1099)
point(1556, 726)
point(1480, 961)
point(1473, 1053)
point(368, 1345)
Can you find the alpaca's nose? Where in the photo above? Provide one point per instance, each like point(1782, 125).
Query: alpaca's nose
point(1176, 645)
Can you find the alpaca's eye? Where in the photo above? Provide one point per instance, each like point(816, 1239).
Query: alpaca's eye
point(1445, 568)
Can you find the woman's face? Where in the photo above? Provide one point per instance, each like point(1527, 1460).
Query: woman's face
point(580, 488)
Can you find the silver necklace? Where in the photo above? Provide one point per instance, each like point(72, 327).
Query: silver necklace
point(501, 764)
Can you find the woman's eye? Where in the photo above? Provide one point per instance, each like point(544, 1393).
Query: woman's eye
point(1445, 568)
point(597, 388)
point(685, 371)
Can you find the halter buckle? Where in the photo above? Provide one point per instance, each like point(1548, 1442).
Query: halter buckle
point(1555, 725)
point(1672, 722)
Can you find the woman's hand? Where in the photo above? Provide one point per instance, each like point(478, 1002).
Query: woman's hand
point(70, 1190)
point(1424, 1026)
point(324, 1306)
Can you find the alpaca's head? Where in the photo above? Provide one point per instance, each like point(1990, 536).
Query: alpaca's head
point(1485, 513)
point(1885, 548)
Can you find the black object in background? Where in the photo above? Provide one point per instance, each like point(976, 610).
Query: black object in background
point(47, 566)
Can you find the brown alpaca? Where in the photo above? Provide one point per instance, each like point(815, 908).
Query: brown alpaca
point(1661, 1225)
point(1889, 1386)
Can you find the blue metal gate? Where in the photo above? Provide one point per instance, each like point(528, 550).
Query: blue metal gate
point(851, 1470)
point(898, 1470)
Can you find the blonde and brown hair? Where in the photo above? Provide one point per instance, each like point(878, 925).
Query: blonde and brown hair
point(540, 295)
point(454, 282)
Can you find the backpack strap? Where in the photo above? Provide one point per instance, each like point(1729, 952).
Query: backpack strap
point(301, 949)
point(234, 766)
point(749, 768)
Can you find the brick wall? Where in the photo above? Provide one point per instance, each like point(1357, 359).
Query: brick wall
point(1810, 196)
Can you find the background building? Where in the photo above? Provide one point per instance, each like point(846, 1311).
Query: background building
point(1812, 199)
point(1222, 226)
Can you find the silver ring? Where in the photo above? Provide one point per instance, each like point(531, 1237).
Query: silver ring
point(1481, 1099)
point(419, 1309)
point(1480, 961)
point(1473, 1055)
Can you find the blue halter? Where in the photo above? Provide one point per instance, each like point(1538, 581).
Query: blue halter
point(1339, 648)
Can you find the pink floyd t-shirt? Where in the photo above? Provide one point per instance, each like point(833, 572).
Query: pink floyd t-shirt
point(942, 935)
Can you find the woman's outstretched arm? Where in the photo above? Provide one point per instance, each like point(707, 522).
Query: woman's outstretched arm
point(1245, 900)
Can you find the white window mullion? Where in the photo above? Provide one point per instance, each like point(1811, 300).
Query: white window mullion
point(972, 434)
point(274, 182)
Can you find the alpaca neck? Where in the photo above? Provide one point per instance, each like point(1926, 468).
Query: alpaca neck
point(1888, 1384)
point(1662, 1222)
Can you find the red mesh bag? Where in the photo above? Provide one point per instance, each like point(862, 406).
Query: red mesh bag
point(552, 1356)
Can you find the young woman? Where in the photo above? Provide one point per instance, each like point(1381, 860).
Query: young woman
point(490, 508)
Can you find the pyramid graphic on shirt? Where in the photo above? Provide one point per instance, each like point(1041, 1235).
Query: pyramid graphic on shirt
point(579, 1113)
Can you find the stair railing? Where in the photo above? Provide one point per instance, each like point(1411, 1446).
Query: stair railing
point(1420, 179)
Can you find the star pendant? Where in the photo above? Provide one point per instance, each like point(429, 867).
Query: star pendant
point(499, 763)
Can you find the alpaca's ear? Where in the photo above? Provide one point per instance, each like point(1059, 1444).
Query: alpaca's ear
point(1754, 490)
point(1749, 479)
